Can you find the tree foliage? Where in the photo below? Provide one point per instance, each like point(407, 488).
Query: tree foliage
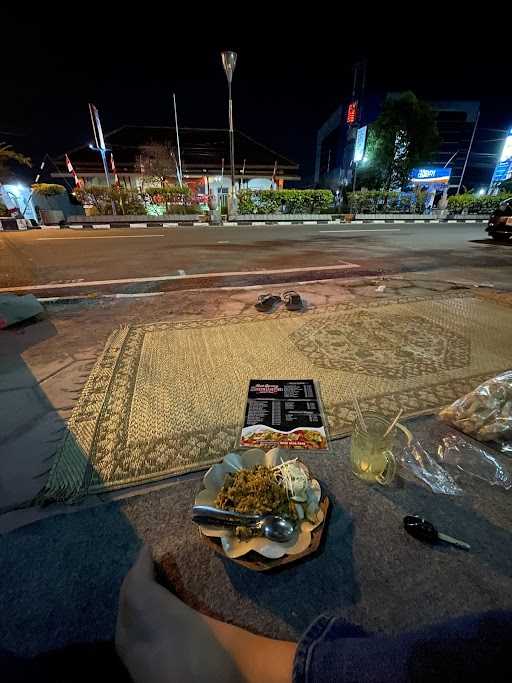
point(405, 135)
point(8, 155)
point(506, 186)
point(157, 164)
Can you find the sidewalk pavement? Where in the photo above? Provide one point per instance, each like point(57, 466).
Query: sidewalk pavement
point(44, 364)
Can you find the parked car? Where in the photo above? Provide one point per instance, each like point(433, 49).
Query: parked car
point(499, 226)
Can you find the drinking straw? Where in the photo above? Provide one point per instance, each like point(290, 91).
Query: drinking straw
point(359, 414)
point(394, 422)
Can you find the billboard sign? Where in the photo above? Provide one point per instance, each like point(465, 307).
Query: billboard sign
point(431, 175)
point(503, 170)
point(506, 153)
point(352, 113)
point(360, 143)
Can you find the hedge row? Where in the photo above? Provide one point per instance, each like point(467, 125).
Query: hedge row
point(284, 201)
point(474, 203)
point(150, 201)
point(381, 201)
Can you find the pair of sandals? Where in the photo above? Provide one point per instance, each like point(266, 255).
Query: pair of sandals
point(291, 299)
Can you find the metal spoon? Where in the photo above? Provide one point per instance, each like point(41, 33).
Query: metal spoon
point(273, 527)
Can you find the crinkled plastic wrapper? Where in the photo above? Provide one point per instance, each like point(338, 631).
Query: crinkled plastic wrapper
point(485, 413)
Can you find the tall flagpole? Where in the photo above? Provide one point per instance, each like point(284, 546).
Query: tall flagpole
point(100, 146)
point(180, 179)
point(469, 152)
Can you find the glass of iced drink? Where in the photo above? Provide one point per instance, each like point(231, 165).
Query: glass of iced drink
point(372, 451)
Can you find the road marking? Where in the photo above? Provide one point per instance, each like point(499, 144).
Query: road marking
point(162, 278)
point(275, 287)
point(366, 230)
point(86, 297)
point(99, 237)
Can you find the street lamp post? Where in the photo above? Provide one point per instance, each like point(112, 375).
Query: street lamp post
point(229, 63)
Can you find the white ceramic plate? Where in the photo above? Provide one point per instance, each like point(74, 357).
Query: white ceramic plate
point(234, 547)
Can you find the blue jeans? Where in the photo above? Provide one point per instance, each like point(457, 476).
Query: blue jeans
point(475, 648)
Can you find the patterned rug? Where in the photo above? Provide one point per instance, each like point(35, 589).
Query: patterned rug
point(168, 398)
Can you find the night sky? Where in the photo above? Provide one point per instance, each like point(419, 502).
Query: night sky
point(285, 84)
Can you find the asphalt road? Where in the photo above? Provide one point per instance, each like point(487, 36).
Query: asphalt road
point(65, 262)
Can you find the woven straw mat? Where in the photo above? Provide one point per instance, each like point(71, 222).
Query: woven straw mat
point(169, 398)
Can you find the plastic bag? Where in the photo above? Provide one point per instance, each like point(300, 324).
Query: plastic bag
point(416, 461)
point(486, 412)
point(466, 457)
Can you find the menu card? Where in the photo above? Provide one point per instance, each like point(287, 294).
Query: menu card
point(284, 413)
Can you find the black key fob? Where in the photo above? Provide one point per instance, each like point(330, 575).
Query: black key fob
point(420, 529)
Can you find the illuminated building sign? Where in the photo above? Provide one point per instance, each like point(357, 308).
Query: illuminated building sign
point(360, 144)
point(503, 170)
point(431, 175)
point(506, 154)
point(352, 113)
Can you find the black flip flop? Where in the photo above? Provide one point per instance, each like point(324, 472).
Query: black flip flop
point(267, 302)
point(292, 300)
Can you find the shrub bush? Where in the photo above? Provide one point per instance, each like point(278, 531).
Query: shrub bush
point(170, 199)
point(474, 203)
point(286, 201)
point(48, 189)
point(4, 213)
point(382, 201)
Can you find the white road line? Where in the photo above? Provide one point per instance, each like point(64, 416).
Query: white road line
point(366, 230)
point(162, 278)
point(275, 287)
point(99, 237)
point(85, 297)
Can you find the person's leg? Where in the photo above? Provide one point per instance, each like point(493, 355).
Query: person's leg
point(161, 639)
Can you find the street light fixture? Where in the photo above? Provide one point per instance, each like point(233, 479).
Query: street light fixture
point(229, 63)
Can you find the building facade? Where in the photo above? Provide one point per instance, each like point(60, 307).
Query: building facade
point(204, 154)
point(465, 147)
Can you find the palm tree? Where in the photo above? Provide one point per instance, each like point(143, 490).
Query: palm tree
point(7, 154)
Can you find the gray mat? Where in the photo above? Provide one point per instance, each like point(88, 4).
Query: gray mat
point(59, 578)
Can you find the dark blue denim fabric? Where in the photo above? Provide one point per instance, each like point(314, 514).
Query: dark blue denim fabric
point(474, 648)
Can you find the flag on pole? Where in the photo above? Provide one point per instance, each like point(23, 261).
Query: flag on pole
point(69, 165)
point(96, 127)
point(113, 167)
point(274, 174)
